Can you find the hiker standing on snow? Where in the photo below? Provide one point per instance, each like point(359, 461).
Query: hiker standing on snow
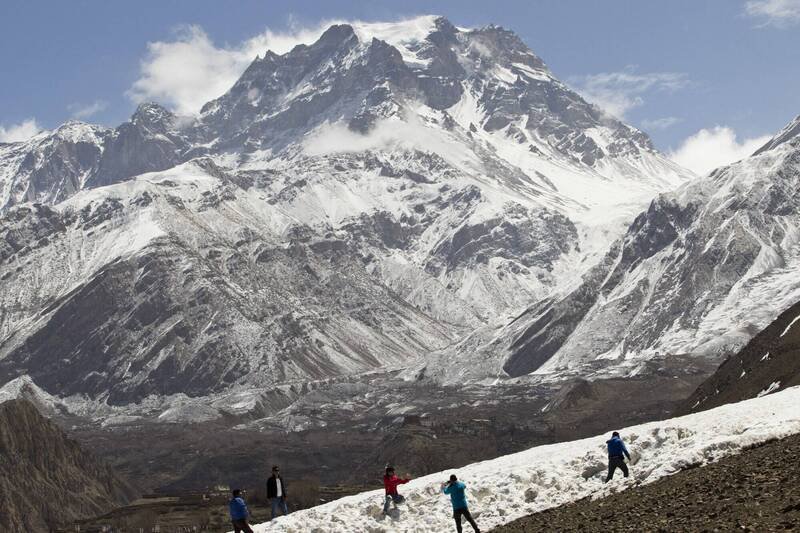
point(390, 483)
point(276, 493)
point(616, 450)
point(455, 489)
point(239, 513)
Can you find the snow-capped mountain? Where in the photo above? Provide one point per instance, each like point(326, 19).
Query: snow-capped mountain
point(700, 272)
point(51, 166)
point(351, 205)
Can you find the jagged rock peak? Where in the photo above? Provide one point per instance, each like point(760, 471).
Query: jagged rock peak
point(150, 113)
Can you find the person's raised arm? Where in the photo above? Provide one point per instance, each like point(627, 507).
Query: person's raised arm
point(625, 451)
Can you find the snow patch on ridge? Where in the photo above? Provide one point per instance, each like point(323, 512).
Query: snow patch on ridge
point(785, 331)
point(402, 34)
point(24, 388)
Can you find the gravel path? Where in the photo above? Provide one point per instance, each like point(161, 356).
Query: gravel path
point(757, 490)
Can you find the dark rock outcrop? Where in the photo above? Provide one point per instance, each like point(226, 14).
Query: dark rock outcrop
point(768, 363)
point(46, 479)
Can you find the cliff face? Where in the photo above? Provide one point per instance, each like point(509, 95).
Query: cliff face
point(46, 479)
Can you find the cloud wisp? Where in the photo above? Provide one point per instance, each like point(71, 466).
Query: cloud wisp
point(190, 70)
point(82, 111)
point(660, 123)
point(616, 93)
point(19, 132)
point(711, 148)
point(385, 134)
point(777, 13)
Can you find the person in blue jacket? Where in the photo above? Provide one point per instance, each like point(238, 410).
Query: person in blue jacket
point(616, 450)
point(455, 489)
point(239, 513)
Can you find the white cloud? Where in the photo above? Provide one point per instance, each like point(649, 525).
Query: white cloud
point(186, 73)
point(618, 92)
point(711, 148)
point(81, 111)
point(411, 133)
point(660, 123)
point(19, 132)
point(779, 13)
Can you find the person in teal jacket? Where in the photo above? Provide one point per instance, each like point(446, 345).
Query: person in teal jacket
point(455, 489)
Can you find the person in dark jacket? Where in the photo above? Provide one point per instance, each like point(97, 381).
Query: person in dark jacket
point(276, 492)
point(239, 513)
point(616, 450)
point(390, 483)
point(455, 489)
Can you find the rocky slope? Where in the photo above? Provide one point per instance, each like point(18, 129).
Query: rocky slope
point(46, 479)
point(768, 363)
point(353, 205)
point(754, 490)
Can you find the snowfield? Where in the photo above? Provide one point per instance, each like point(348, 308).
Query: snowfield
point(506, 488)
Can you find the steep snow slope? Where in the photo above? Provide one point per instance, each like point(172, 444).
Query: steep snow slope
point(506, 488)
point(699, 273)
point(749, 490)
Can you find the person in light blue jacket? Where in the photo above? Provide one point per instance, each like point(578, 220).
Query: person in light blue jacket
point(616, 450)
point(456, 489)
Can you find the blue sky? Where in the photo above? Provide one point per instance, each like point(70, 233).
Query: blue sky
point(727, 69)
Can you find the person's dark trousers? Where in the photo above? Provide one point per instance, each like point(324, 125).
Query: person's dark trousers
point(613, 464)
point(458, 513)
point(241, 525)
point(392, 498)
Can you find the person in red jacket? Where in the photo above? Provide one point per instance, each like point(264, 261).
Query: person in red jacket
point(390, 483)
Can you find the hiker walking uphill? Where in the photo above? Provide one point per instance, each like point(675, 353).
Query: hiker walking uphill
point(276, 492)
point(390, 483)
point(455, 489)
point(616, 450)
point(239, 513)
